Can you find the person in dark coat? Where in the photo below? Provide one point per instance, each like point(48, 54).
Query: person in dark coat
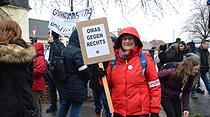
point(204, 57)
point(53, 50)
point(73, 91)
point(176, 54)
point(179, 78)
point(16, 72)
point(161, 55)
point(152, 52)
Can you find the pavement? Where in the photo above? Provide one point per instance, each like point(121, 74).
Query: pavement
point(197, 106)
point(200, 105)
point(86, 111)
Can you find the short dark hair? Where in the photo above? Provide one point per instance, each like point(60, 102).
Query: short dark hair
point(204, 41)
point(178, 39)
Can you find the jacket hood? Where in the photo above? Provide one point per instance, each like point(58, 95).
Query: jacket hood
point(13, 53)
point(74, 39)
point(131, 31)
point(39, 48)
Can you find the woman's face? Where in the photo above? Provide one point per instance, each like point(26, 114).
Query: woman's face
point(181, 47)
point(195, 70)
point(128, 42)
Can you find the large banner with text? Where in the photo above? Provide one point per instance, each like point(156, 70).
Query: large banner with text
point(64, 23)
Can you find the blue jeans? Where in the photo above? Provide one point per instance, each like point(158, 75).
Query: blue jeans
point(205, 78)
point(99, 95)
point(65, 106)
point(193, 91)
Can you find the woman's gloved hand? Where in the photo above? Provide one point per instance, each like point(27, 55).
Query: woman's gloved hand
point(101, 72)
point(154, 115)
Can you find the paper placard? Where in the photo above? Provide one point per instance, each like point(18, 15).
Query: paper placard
point(95, 41)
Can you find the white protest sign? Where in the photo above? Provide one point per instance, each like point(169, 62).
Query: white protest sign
point(64, 23)
point(95, 41)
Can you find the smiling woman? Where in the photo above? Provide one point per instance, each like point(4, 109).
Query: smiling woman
point(142, 92)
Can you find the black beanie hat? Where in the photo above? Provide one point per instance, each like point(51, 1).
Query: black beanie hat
point(55, 35)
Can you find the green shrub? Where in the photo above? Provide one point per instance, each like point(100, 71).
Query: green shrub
point(197, 115)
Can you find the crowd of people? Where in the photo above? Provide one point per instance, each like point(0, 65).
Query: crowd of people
point(138, 88)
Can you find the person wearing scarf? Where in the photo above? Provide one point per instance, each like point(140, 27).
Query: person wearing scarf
point(133, 94)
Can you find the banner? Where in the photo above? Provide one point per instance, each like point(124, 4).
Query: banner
point(95, 41)
point(64, 23)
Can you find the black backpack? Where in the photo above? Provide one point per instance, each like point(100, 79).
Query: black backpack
point(170, 54)
point(58, 68)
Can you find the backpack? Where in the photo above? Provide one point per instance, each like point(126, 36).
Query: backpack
point(142, 59)
point(170, 54)
point(58, 68)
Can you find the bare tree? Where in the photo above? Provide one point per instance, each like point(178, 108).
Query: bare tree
point(196, 25)
point(153, 8)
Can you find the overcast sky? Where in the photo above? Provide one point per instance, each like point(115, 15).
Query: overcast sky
point(166, 29)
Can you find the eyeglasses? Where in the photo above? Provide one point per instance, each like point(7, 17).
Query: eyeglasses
point(127, 38)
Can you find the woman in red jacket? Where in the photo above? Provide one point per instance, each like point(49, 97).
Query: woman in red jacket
point(133, 93)
point(39, 81)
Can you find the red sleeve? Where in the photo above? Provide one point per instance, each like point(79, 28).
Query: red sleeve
point(39, 66)
point(154, 84)
point(108, 77)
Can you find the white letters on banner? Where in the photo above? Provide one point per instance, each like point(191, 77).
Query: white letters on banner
point(64, 23)
point(95, 40)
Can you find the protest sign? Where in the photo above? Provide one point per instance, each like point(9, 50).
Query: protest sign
point(95, 41)
point(64, 23)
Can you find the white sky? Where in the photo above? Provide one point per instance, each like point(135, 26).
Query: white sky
point(166, 29)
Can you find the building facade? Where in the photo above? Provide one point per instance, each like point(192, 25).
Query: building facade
point(17, 10)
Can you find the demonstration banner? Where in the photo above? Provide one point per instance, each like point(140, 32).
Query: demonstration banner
point(64, 23)
point(95, 41)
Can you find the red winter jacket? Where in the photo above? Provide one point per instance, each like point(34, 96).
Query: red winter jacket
point(132, 93)
point(39, 68)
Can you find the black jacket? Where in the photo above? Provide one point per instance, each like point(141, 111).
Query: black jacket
point(75, 87)
point(94, 78)
point(204, 55)
point(55, 49)
point(16, 77)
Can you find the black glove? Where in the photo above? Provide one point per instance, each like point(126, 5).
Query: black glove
point(101, 72)
point(154, 115)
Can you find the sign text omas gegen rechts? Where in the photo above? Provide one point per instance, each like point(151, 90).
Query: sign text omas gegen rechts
point(96, 38)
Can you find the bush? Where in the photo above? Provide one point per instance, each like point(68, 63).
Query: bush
point(197, 115)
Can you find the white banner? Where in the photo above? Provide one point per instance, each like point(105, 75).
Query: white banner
point(95, 40)
point(64, 23)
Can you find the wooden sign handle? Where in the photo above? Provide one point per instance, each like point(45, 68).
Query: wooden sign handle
point(107, 92)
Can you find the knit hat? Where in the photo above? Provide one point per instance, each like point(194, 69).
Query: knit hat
point(55, 35)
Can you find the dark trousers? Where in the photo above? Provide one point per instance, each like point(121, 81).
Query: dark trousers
point(99, 98)
point(117, 115)
point(171, 107)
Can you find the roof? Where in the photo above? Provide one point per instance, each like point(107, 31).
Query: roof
point(20, 3)
point(156, 43)
point(40, 26)
point(153, 43)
